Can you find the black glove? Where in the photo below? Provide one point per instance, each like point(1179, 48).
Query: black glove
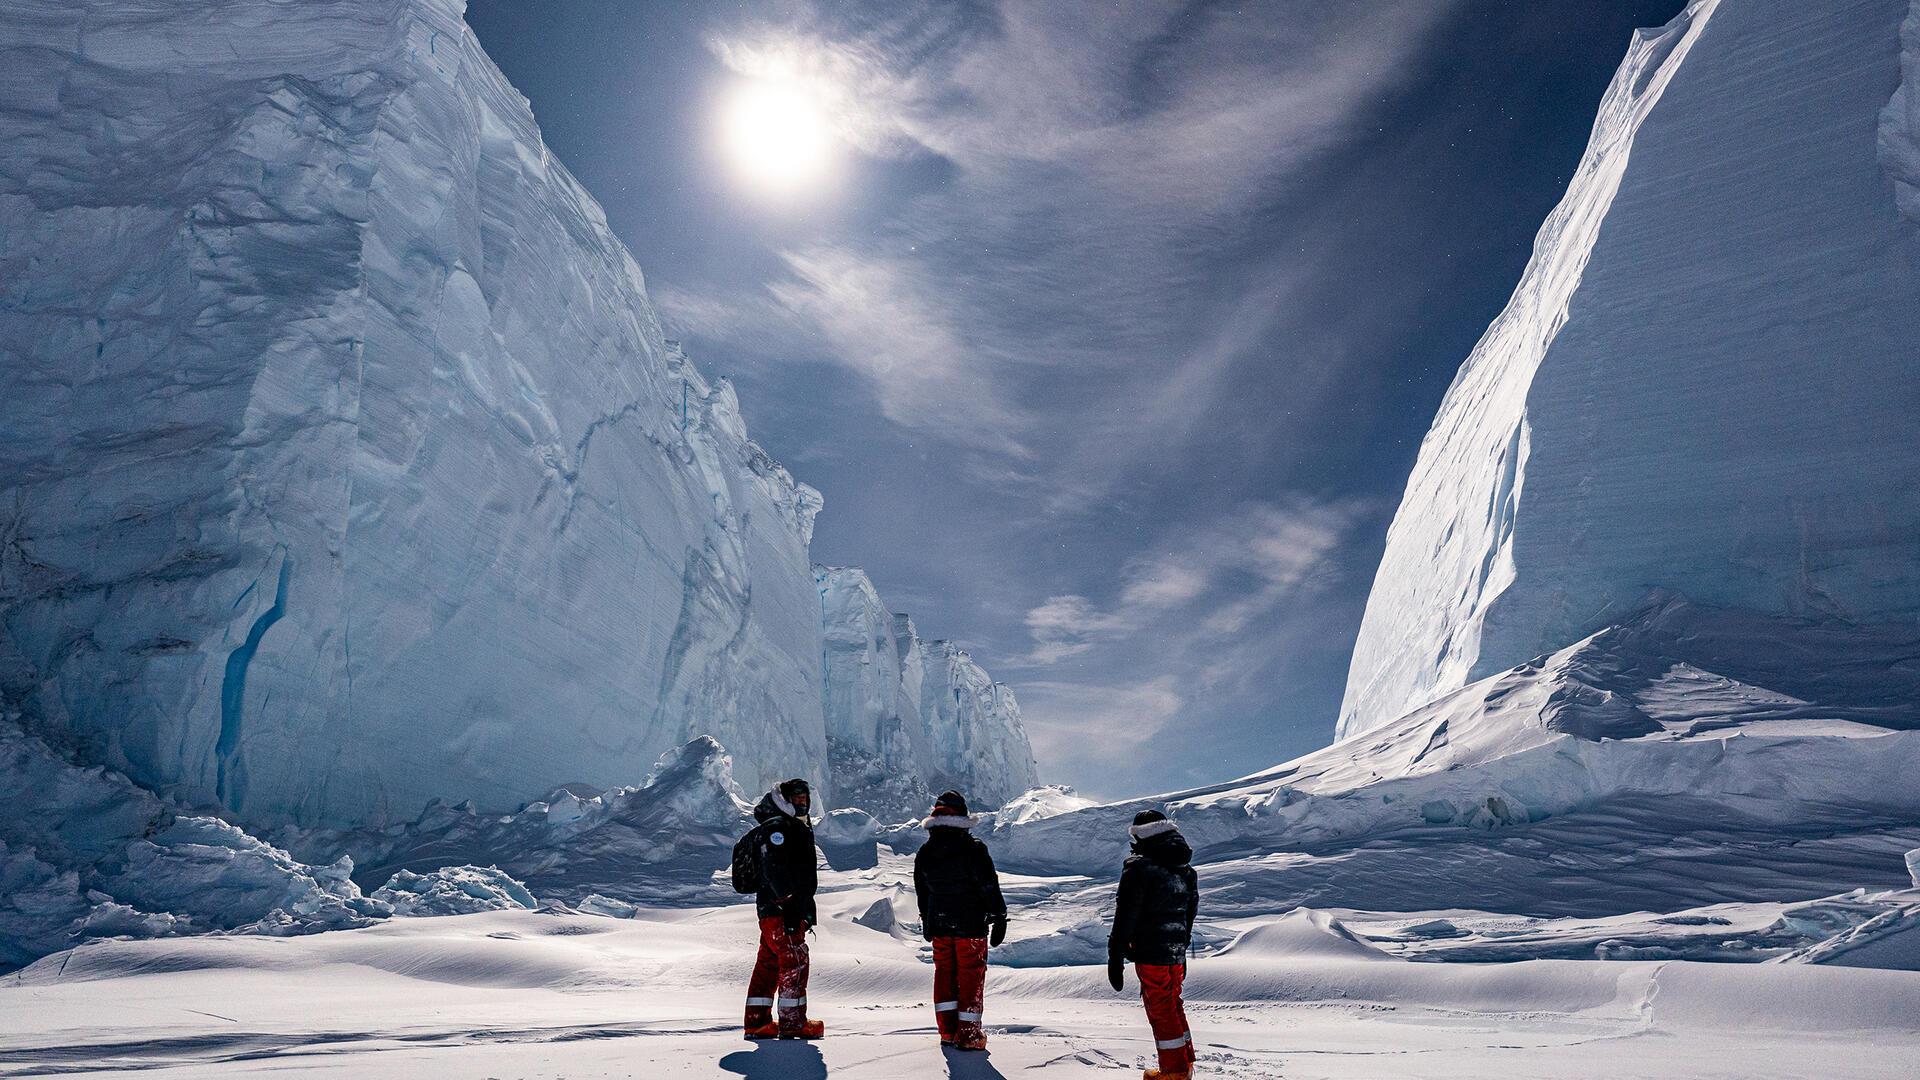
point(1117, 971)
point(796, 924)
point(999, 932)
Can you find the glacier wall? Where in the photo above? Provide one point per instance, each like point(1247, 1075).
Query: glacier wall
point(907, 718)
point(1708, 379)
point(343, 463)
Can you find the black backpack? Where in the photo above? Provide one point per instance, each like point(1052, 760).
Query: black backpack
point(746, 862)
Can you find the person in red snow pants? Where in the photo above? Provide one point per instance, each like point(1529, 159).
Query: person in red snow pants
point(959, 989)
point(1160, 989)
point(784, 853)
point(1153, 927)
point(779, 978)
point(962, 913)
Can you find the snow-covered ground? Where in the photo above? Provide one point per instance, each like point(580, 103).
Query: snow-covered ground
point(554, 994)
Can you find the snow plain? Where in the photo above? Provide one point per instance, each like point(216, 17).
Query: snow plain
point(524, 994)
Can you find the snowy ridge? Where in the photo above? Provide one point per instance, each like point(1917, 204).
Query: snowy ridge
point(660, 839)
point(1645, 414)
point(1656, 765)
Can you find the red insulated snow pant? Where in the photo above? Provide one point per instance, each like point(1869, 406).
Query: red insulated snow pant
point(782, 967)
point(959, 988)
point(1160, 989)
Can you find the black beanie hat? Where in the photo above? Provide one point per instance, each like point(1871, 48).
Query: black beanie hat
point(789, 789)
point(952, 801)
point(1147, 817)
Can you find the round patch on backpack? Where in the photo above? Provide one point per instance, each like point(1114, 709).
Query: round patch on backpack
point(776, 839)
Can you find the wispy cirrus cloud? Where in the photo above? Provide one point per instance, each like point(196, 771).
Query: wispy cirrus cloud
point(1223, 578)
point(1096, 162)
point(1069, 720)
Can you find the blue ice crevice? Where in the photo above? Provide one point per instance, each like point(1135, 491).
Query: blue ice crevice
point(231, 783)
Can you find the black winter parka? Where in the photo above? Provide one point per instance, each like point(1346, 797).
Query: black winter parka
point(954, 878)
point(789, 872)
point(1159, 896)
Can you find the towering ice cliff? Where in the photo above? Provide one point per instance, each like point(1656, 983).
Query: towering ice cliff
point(907, 718)
point(1708, 380)
point(343, 464)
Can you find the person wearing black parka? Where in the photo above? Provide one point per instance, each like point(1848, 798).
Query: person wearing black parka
point(1153, 927)
point(961, 913)
point(789, 875)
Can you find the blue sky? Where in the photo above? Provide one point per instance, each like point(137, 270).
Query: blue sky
point(1112, 332)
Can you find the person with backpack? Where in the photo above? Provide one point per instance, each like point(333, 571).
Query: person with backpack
point(1153, 927)
point(961, 913)
point(776, 862)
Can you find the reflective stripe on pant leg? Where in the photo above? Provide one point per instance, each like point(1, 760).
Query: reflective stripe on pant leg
point(1180, 1007)
point(766, 976)
point(1160, 991)
point(792, 950)
point(945, 1000)
point(970, 984)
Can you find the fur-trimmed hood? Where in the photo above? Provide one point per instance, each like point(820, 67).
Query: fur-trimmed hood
point(948, 821)
point(773, 804)
point(1152, 829)
point(1160, 842)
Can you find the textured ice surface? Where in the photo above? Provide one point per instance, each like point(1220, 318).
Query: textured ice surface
point(908, 718)
point(454, 890)
point(1694, 756)
point(85, 854)
point(1706, 380)
point(343, 465)
point(664, 839)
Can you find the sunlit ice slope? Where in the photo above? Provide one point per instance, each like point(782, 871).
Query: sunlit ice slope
point(1708, 379)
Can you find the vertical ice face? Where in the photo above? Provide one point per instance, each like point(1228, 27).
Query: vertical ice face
point(907, 718)
point(977, 742)
point(343, 464)
point(875, 742)
point(1708, 380)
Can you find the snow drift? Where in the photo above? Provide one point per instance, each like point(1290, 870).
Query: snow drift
point(1692, 756)
point(1706, 379)
point(343, 464)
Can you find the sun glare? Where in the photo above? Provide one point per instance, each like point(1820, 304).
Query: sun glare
point(777, 136)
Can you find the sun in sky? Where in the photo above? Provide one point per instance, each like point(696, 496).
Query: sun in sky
point(777, 135)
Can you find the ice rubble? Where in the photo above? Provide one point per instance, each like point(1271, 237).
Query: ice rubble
point(343, 463)
point(1705, 379)
point(661, 840)
point(454, 890)
point(86, 854)
point(908, 718)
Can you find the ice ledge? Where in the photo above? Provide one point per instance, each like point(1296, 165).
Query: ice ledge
point(1900, 123)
